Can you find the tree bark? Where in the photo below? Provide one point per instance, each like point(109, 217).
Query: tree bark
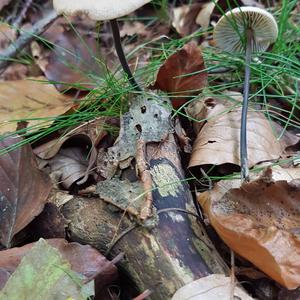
point(161, 256)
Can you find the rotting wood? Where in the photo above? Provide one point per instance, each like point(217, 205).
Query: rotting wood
point(162, 256)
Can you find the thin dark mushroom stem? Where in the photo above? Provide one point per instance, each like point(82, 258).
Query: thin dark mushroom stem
point(121, 55)
point(243, 134)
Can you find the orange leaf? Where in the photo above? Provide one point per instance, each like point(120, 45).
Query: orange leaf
point(260, 221)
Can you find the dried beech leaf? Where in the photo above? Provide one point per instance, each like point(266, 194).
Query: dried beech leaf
point(181, 74)
point(212, 287)
point(7, 34)
point(70, 164)
point(44, 274)
point(133, 28)
point(184, 18)
point(29, 99)
point(83, 259)
point(260, 221)
point(73, 61)
point(218, 138)
point(93, 131)
point(3, 3)
point(203, 17)
point(23, 189)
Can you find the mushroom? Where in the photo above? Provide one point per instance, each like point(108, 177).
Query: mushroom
point(101, 10)
point(245, 29)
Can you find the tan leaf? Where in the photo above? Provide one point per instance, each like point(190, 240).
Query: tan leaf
point(184, 18)
point(132, 28)
point(212, 287)
point(29, 99)
point(260, 221)
point(203, 17)
point(93, 131)
point(218, 129)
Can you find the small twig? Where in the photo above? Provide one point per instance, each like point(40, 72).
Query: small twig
point(22, 14)
point(119, 237)
point(107, 265)
point(143, 296)
point(146, 179)
point(38, 28)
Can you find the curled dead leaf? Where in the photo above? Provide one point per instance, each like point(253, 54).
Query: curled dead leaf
point(182, 75)
point(218, 133)
point(260, 220)
point(70, 164)
point(93, 131)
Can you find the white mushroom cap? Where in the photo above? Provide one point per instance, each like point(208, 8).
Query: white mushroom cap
point(98, 10)
point(232, 27)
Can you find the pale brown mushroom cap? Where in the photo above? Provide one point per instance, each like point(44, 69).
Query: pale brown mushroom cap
point(98, 10)
point(232, 26)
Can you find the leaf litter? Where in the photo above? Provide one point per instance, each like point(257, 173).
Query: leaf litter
point(258, 220)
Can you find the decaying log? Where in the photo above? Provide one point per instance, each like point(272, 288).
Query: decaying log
point(162, 256)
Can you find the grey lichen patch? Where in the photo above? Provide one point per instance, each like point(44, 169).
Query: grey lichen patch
point(148, 119)
point(166, 180)
point(121, 193)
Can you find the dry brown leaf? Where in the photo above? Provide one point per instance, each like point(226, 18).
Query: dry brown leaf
point(70, 164)
point(50, 223)
point(4, 3)
point(73, 61)
point(83, 259)
point(188, 18)
point(29, 99)
point(260, 221)
point(203, 17)
point(15, 71)
point(218, 138)
point(7, 35)
point(173, 76)
point(132, 28)
point(184, 18)
point(92, 131)
point(211, 287)
point(23, 189)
